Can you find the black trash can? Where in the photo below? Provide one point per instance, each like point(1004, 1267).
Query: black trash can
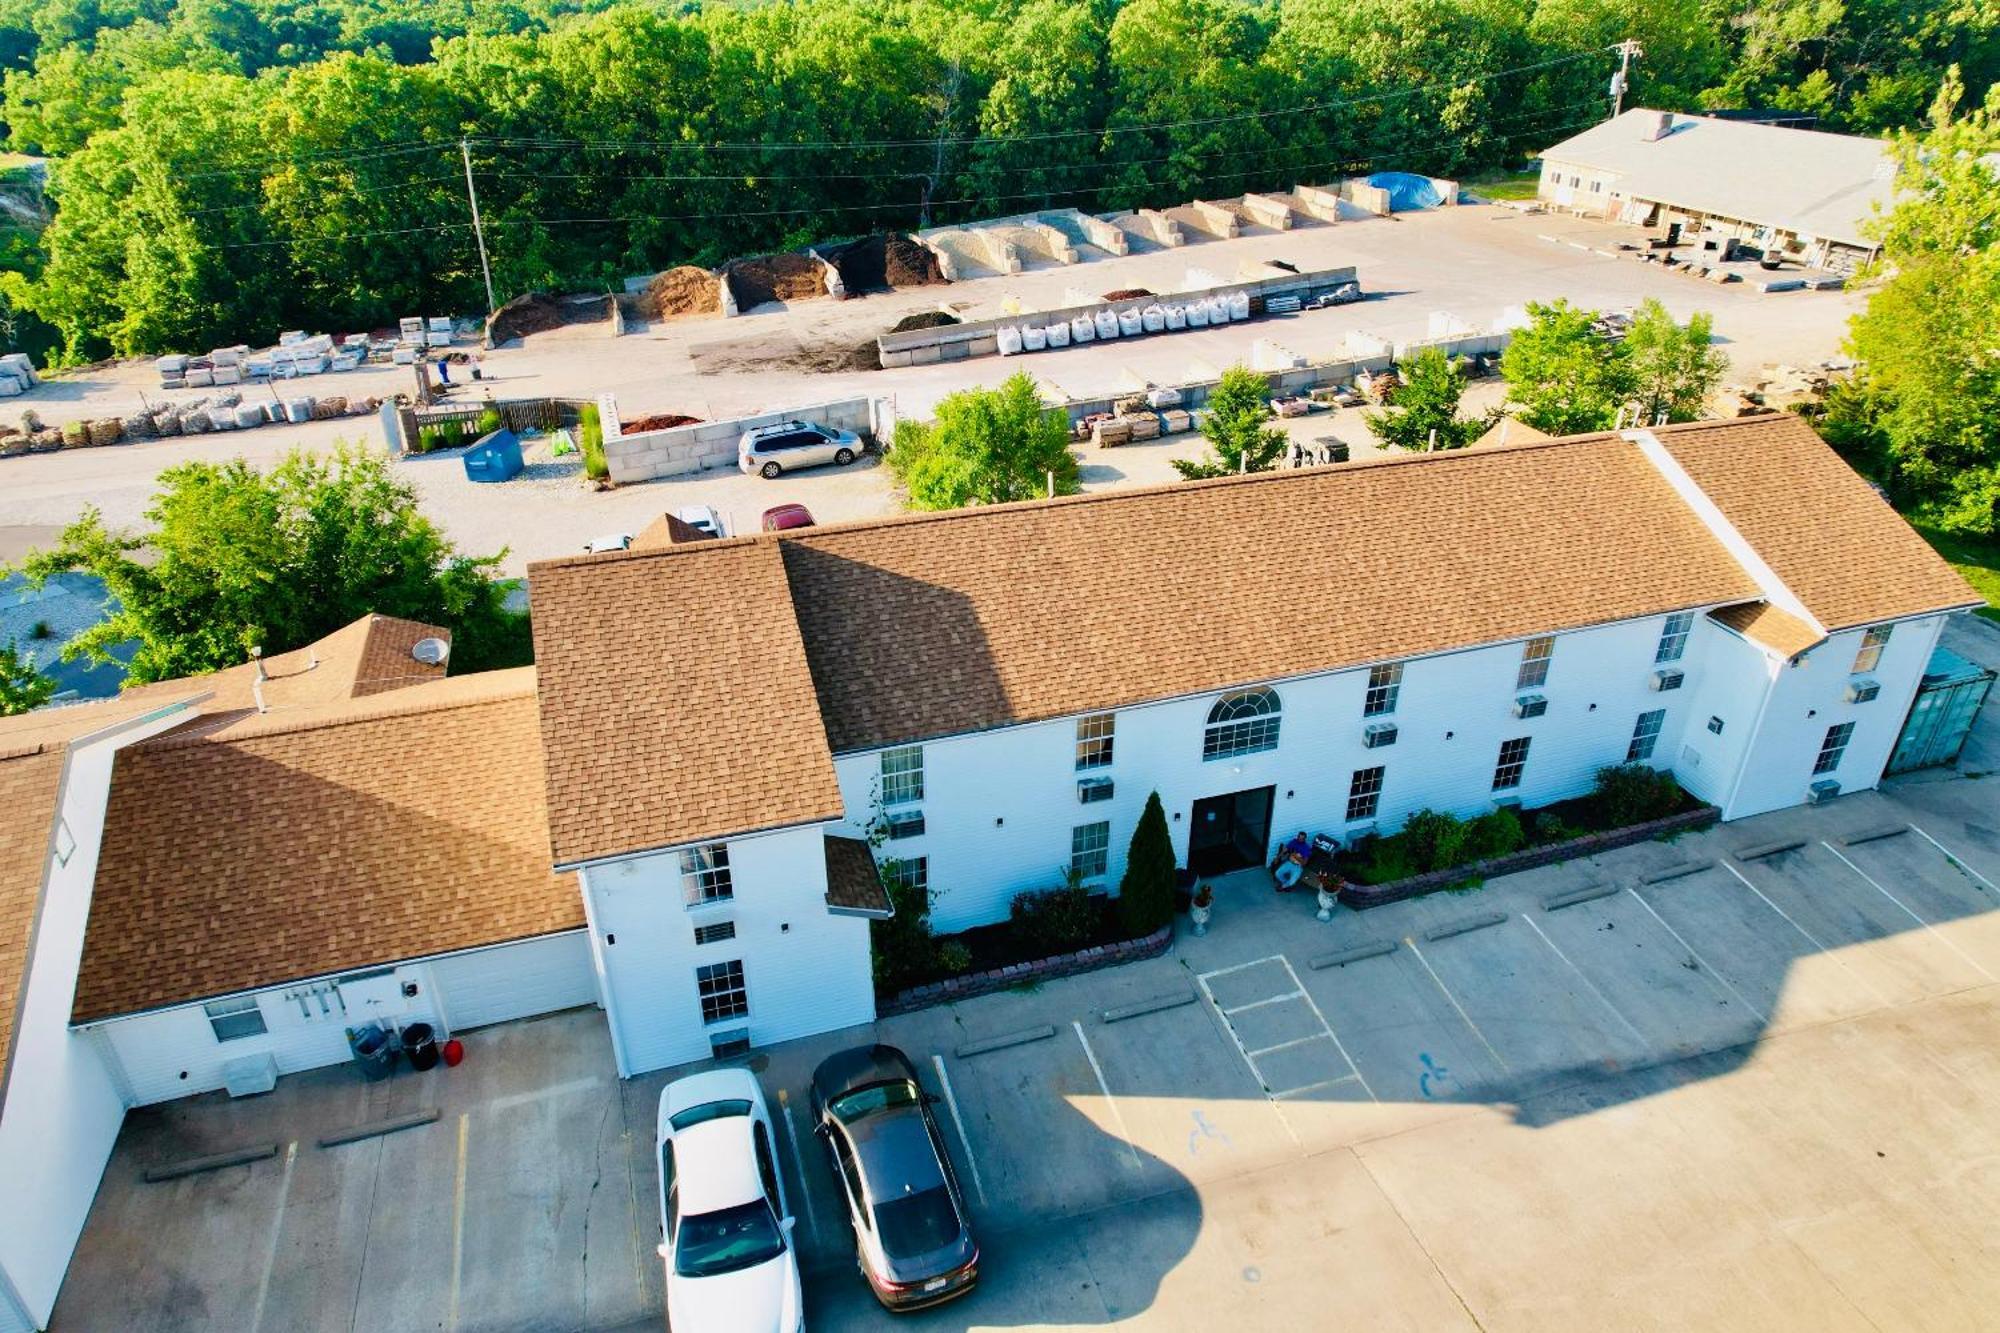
point(374, 1050)
point(420, 1043)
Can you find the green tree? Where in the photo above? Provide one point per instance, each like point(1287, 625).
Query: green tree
point(22, 685)
point(237, 559)
point(1237, 429)
point(1671, 369)
point(1146, 893)
point(987, 446)
point(1926, 408)
point(1561, 376)
point(1425, 412)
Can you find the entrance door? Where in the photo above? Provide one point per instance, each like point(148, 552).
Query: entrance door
point(1230, 832)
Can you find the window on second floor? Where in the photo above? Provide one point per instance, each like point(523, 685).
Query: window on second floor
point(1094, 737)
point(1245, 722)
point(1872, 644)
point(1090, 850)
point(1674, 637)
point(1534, 672)
point(705, 874)
point(1385, 682)
point(1645, 735)
point(1513, 762)
point(903, 775)
point(1833, 747)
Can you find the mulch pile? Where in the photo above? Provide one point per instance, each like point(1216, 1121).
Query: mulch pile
point(686, 290)
point(884, 260)
point(765, 278)
point(538, 312)
point(658, 421)
point(923, 319)
point(1127, 293)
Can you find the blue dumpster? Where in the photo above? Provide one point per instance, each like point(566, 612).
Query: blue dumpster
point(494, 457)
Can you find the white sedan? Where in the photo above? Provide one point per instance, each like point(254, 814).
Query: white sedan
point(727, 1233)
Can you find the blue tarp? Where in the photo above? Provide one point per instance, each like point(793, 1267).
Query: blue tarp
point(1406, 192)
point(494, 457)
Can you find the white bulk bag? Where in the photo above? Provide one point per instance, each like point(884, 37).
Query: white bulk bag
point(1033, 337)
point(1107, 324)
point(1197, 314)
point(1081, 329)
point(1009, 339)
point(1176, 318)
point(1058, 334)
point(1153, 318)
point(1239, 305)
point(1130, 324)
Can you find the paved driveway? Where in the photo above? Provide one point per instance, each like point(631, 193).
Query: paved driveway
point(1670, 1087)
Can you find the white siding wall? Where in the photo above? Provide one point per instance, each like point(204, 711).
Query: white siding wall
point(999, 806)
point(805, 970)
point(63, 1105)
point(1728, 677)
point(515, 980)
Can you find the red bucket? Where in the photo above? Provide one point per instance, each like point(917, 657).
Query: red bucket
point(454, 1051)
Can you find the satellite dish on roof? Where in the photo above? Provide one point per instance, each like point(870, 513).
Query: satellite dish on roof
point(431, 651)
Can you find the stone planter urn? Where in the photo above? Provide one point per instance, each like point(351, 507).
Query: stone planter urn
point(1201, 909)
point(1326, 902)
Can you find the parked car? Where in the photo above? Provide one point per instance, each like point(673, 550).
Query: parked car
point(771, 450)
point(726, 1235)
point(610, 541)
point(703, 519)
point(911, 1233)
point(1347, 293)
point(779, 518)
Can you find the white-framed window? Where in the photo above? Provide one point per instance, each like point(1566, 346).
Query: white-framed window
point(1513, 761)
point(723, 995)
point(1674, 637)
point(232, 1020)
point(1385, 682)
point(715, 932)
point(1645, 735)
point(1095, 736)
point(705, 874)
point(1534, 672)
point(1090, 850)
point(909, 872)
point(1833, 747)
point(903, 775)
point(1872, 644)
point(1364, 793)
point(1245, 722)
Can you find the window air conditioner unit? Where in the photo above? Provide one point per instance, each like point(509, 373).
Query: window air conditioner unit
point(1378, 734)
point(1093, 789)
point(1669, 678)
point(1530, 705)
point(1861, 691)
point(1821, 792)
point(909, 824)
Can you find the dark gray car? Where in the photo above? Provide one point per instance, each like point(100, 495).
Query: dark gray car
point(910, 1230)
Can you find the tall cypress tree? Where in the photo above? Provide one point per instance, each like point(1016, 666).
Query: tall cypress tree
point(1146, 893)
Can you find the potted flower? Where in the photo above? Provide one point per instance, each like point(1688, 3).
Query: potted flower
point(1201, 908)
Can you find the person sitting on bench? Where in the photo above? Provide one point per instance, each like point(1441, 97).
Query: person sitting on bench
point(1291, 862)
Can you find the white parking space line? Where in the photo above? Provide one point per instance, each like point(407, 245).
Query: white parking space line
point(1589, 985)
point(1259, 1004)
point(964, 1140)
point(1315, 1087)
point(1287, 1045)
point(1708, 969)
point(1124, 1133)
point(277, 1225)
point(1451, 999)
point(1955, 858)
point(1314, 1005)
point(458, 1220)
point(798, 1159)
point(1244, 967)
point(1880, 998)
point(1970, 961)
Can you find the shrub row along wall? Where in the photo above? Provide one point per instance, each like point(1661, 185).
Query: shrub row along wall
point(1362, 896)
point(958, 342)
point(1000, 978)
point(710, 444)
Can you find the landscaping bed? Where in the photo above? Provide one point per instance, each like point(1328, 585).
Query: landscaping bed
point(1015, 974)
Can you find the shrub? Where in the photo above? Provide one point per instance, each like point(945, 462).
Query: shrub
point(1434, 839)
point(1146, 893)
point(1048, 922)
point(590, 439)
point(905, 952)
point(1383, 860)
point(1495, 834)
point(489, 421)
point(953, 958)
point(1634, 794)
point(1552, 827)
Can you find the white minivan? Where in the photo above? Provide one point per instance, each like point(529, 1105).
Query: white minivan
point(770, 451)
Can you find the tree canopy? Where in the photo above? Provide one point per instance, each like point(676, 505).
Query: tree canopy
point(22, 685)
point(987, 446)
point(1562, 377)
point(225, 169)
point(236, 559)
point(1670, 369)
point(1425, 411)
point(1236, 424)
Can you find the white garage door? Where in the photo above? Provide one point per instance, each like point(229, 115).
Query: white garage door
point(537, 976)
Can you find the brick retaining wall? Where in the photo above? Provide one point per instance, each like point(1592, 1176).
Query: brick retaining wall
point(999, 979)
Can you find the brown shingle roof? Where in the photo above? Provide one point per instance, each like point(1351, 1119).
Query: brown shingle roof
point(853, 885)
point(676, 704)
point(369, 656)
point(669, 530)
point(322, 839)
point(1760, 622)
point(1835, 543)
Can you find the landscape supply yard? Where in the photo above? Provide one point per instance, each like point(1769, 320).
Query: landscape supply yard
point(1740, 1078)
point(1473, 262)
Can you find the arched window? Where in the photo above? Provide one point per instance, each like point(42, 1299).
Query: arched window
point(1241, 723)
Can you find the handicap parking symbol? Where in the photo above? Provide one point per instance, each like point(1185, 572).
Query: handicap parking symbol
point(1431, 1082)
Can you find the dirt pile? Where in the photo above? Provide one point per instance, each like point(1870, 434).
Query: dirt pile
point(658, 421)
point(907, 264)
point(686, 290)
point(923, 319)
point(764, 278)
point(1127, 293)
point(538, 312)
point(882, 261)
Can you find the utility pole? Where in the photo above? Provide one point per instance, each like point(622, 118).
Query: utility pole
point(1628, 50)
point(478, 232)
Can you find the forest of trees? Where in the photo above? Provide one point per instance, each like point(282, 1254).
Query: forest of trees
point(223, 169)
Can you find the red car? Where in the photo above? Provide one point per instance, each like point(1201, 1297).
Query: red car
point(780, 517)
